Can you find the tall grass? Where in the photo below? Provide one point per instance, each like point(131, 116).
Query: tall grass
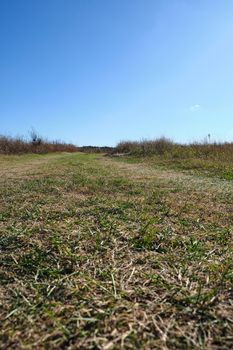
point(36, 144)
point(167, 148)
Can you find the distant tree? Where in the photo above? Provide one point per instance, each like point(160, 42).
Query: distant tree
point(36, 139)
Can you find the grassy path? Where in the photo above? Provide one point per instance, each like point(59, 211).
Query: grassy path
point(149, 171)
point(98, 253)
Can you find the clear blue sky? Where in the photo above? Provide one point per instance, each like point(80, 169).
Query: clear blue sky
point(99, 71)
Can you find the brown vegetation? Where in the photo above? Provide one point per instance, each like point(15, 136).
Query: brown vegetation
point(36, 144)
point(167, 148)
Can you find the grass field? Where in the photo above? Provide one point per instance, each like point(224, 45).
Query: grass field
point(115, 253)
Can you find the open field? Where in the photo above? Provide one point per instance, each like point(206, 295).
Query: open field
point(115, 253)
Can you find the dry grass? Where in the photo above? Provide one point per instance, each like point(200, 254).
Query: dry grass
point(98, 253)
point(19, 145)
point(212, 159)
point(167, 148)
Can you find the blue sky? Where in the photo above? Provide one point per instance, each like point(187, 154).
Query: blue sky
point(100, 71)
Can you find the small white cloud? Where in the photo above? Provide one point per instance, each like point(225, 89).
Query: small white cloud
point(194, 108)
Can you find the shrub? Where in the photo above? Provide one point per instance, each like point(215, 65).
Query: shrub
point(19, 145)
point(166, 147)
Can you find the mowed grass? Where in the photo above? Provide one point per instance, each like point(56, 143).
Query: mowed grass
point(98, 253)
